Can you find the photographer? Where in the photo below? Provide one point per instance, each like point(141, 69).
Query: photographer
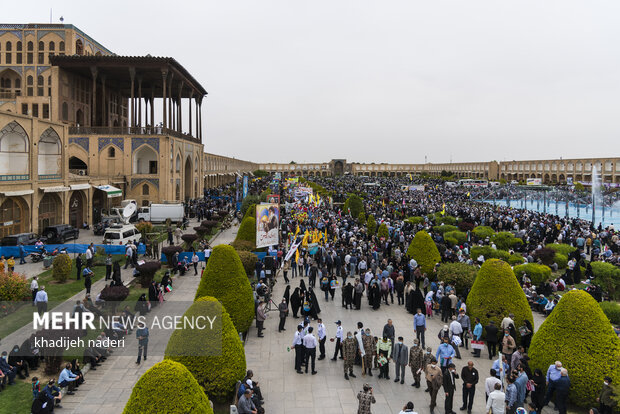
point(366, 399)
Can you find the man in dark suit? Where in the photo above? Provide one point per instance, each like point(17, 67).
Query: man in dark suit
point(491, 330)
point(449, 385)
point(401, 359)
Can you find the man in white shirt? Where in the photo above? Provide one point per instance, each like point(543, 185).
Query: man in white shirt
point(496, 402)
point(310, 345)
point(455, 331)
point(507, 321)
point(89, 255)
point(34, 288)
point(322, 332)
point(489, 383)
point(298, 345)
point(40, 300)
point(207, 254)
point(339, 338)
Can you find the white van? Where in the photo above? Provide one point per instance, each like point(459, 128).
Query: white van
point(121, 234)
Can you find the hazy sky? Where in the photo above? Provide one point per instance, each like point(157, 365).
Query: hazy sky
point(382, 81)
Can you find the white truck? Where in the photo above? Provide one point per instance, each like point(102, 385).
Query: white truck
point(159, 213)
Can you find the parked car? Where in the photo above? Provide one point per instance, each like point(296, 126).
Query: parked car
point(16, 239)
point(60, 233)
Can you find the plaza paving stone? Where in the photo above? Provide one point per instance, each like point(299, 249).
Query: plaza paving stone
point(285, 391)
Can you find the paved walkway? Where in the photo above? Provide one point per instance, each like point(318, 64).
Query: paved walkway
point(108, 389)
point(328, 392)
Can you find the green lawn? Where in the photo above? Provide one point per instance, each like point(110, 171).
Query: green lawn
point(16, 399)
point(56, 292)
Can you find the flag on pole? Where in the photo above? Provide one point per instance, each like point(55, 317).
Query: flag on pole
point(383, 202)
point(468, 194)
point(443, 212)
point(296, 255)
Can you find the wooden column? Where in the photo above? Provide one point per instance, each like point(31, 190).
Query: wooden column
point(169, 92)
point(200, 118)
point(197, 115)
point(104, 104)
point(180, 109)
point(132, 75)
point(93, 109)
point(139, 101)
point(164, 75)
point(190, 111)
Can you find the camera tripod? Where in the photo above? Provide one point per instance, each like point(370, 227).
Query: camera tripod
point(270, 305)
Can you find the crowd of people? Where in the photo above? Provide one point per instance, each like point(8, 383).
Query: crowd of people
point(361, 265)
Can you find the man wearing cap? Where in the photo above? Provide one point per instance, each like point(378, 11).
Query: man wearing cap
point(416, 362)
point(310, 349)
point(299, 348)
point(339, 338)
point(322, 332)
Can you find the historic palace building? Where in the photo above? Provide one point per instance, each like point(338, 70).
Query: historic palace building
point(550, 171)
point(82, 128)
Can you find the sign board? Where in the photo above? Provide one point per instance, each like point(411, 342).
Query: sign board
point(245, 186)
point(534, 181)
point(273, 198)
point(267, 225)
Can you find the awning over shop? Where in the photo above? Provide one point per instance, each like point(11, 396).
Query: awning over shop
point(55, 189)
point(80, 187)
point(238, 175)
point(110, 190)
point(17, 193)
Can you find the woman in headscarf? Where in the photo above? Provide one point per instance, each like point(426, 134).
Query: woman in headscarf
point(153, 293)
point(374, 296)
point(141, 305)
point(538, 395)
point(75, 368)
point(287, 294)
point(417, 301)
point(295, 302)
point(17, 361)
point(315, 308)
point(302, 285)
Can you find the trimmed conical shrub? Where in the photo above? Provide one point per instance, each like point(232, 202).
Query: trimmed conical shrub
point(578, 334)
point(371, 224)
point(215, 357)
point(496, 294)
point(181, 395)
point(355, 204)
point(423, 249)
point(225, 279)
point(383, 231)
point(247, 230)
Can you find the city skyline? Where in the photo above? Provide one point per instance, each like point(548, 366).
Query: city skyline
point(369, 83)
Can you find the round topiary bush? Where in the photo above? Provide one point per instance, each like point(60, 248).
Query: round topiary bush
point(608, 277)
point(183, 393)
point(445, 228)
point(561, 260)
point(225, 279)
point(489, 253)
point(61, 267)
point(424, 250)
point(545, 255)
point(562, 248)
point(459, 275)
point(215, 357)
point(612, 311)
point(14, 287)
point(383, 231)
point(459, 236)
point(189, 239)
point(147, 271)
point(243, 245)
point(371, 224)
point(248, 260)
point(496, 294)
point(354, 204)
point(515, 259)
point(482, 232)
point(537, 273)
point(448, 220)
point(465, 226)
point(505, 240)
point(415, 220)
point(247, 230)
point(169, 252)
point(578, 334)
point(361, 218)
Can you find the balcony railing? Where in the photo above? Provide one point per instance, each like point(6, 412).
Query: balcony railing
point(8, 96)
point(82, 130)
point(50, 176)
point(15, 177)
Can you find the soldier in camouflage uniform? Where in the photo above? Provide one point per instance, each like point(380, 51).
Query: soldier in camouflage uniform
point(349, 349)
point(416, 362)
point(428, 356)
point(369, 350)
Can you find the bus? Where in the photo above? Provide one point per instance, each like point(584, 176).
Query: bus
point(468, 182)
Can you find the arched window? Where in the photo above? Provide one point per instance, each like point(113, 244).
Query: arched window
point(145, 161)
point(30, 83)
point(79, 47)
point(14, 145)
point(196, 164)
point(9, 46)
point(19, 46)
point(39, 85)
point(49, 153)
point(30, 46)
point(111, 152)
point(61, 46)
point(145, 189)
point(41, 46)
point(18, 83)
point(178, 164)
point(52, 46)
